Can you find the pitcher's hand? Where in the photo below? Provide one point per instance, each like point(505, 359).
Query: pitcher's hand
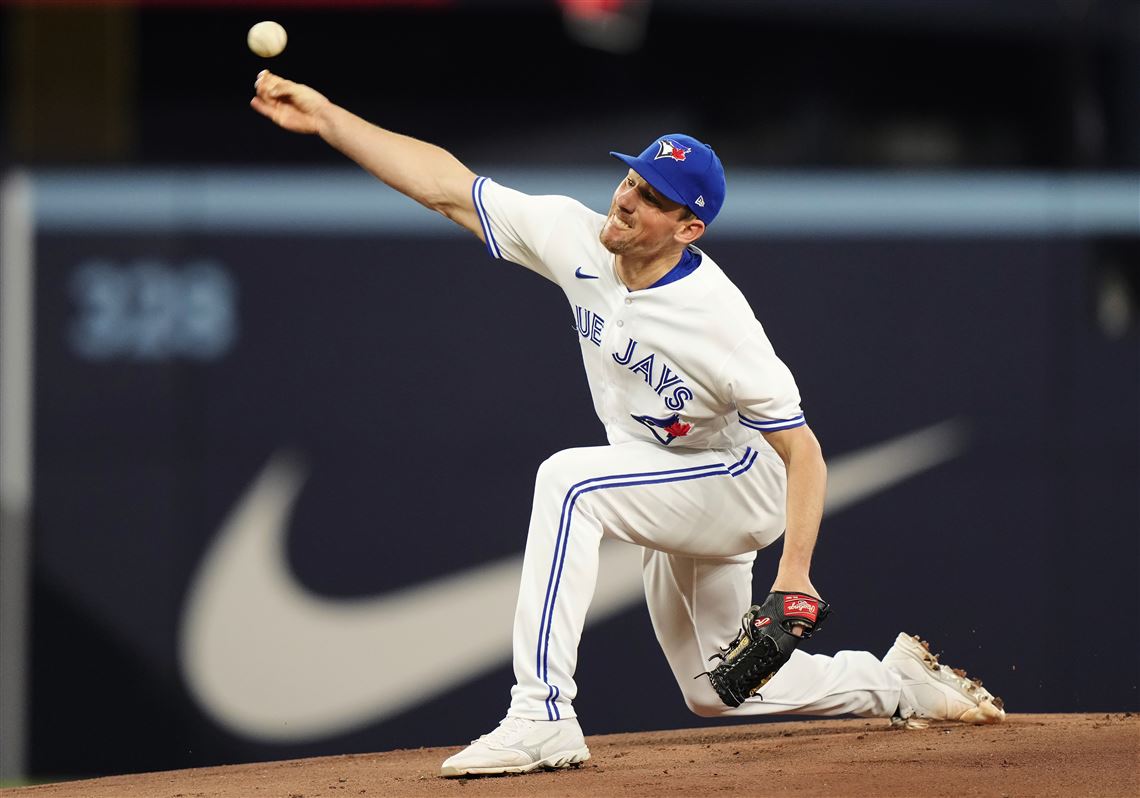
point(293, 106)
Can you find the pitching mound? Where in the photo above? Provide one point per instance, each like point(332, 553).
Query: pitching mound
point(1040, 755)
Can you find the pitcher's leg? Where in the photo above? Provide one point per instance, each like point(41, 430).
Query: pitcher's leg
point(695, 606)
point(691, 500)
point(559, 574)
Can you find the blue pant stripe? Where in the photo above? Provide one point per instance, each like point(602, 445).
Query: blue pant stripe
point(561, 541)
point(746, 466)
point(556, 569)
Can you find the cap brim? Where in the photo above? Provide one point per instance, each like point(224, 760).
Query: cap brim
point(653, 177)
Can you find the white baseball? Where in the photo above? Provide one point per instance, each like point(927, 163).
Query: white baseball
point(266, 38)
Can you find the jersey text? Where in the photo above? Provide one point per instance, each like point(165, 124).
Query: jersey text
point(658, 377)
point(590, 324)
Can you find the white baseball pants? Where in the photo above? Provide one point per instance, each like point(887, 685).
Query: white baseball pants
point(700, 516)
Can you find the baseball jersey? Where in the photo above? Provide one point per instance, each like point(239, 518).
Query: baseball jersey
point(685, 363)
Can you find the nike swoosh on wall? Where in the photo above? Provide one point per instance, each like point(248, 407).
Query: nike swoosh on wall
point(270, 660)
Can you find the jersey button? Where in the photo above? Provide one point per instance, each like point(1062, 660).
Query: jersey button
point(628, 301)
point(621, 323)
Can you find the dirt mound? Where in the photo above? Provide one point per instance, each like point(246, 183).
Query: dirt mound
point(1040, 755)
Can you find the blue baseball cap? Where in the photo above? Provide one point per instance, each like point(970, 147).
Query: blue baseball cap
point(685, 170)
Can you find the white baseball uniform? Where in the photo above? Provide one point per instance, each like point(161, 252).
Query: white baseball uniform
point(685, 381)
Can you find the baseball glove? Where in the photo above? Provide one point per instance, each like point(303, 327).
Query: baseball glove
point(764, 644)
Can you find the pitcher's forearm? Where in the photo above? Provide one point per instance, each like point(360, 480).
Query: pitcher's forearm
point(807, 487)
point(806, 490)
point(428, 174)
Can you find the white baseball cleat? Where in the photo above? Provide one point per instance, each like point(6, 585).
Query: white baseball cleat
point(520, 746)
point(932, 691)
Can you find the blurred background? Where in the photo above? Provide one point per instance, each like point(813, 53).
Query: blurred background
point(268, 430)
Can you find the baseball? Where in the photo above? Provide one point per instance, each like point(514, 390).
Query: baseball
point(266, 38)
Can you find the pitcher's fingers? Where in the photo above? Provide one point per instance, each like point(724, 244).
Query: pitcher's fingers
point(270, 86)
point(263, 107)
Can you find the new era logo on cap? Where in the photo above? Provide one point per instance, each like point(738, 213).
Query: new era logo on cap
point(685, 170)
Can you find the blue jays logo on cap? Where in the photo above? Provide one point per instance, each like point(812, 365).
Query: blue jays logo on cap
point(671, 150)
point(683, 169)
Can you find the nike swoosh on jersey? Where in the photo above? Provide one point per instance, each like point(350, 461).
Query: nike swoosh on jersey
point(583, 276)
point(270, 660)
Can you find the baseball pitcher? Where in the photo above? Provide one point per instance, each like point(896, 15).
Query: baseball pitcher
point(709, 455)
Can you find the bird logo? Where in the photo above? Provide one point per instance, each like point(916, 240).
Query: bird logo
point(666, 429)
point(671, 150)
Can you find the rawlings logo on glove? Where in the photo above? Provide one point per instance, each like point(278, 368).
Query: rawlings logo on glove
point(765, 643)
point(801, 607)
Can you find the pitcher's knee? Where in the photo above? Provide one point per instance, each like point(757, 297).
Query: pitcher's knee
point(562, 470)
point(703, 701)
point(705, 708)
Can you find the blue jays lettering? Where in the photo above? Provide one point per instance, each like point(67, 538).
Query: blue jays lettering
point(660, 376)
